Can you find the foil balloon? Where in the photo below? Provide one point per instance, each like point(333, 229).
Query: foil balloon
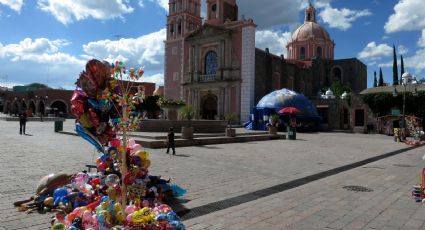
point(82, 132)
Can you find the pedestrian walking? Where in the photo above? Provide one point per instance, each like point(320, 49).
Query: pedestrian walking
point(171, 143)
point(22, 122)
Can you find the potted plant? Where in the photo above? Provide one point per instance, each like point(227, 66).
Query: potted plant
point(230, 117)
point(187, 113)
point(170, 107)
point(274, 122)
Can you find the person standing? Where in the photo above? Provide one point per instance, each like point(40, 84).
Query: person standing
point(22, 122)
point(171, 143)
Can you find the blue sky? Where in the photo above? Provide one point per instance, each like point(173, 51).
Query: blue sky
point(49, 41)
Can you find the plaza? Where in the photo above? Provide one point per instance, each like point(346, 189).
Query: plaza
point(305, 179)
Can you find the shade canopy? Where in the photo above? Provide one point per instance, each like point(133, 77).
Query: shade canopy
point(283, 98)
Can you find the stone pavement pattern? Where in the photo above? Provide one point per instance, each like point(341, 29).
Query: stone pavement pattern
point(217, 172)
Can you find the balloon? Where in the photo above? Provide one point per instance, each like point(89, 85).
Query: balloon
point(112, 180)
point(115, 143)
point(48, 201)
point(87, 84)
point(131, 142)
point(81, 179)
point(88, 137)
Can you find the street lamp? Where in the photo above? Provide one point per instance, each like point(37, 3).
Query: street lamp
point(407, 79)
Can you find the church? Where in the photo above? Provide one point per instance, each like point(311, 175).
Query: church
point(213, 64)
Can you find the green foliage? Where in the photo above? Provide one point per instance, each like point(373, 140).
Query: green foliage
point(187, 112)
point(375, 81)
point(381, 78)
point(38, 86)
point(274, 119)
point(150, 105)
point(338, 88)
point(382, 103)
point(230, 117)
point(164, 102)
point(395, 68)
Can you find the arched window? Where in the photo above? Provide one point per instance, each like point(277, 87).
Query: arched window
point(337, 72)
point(211, 63)
point(179, 27)
point(302, 53)
point(319, 52)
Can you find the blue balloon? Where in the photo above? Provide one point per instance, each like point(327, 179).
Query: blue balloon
point(82, 132)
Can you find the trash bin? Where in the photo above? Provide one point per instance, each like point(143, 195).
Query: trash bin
point(58, 126)
point(292, 133)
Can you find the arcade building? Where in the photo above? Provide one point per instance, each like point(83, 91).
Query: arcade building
point(215, 67)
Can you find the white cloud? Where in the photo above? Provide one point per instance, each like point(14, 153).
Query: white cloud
point(141, 4)
point(161, 3)
point(268, 13)
point(275, 41)
point(341, 19)
point(158, 79)
point(147, 50)
point(416, 61)
point(401, 49)
point(40, 60)
point(408, 15)
point(372, 51)
point(421, 41)
point(66, 11)
point(15, 5)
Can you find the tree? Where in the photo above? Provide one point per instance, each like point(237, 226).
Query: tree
point(375, 82)
point(401, 69)
point(381, 78)
point(338, 88)
point(38, 86)
point(150, 105)
point(395, 69)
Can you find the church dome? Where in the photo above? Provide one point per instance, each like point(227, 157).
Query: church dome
point(310, 30)
point(287, 98)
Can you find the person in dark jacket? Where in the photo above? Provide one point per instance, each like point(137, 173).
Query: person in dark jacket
point(171, 143)
point(22, 122)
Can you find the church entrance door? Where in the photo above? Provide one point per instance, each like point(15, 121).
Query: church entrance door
point(209, 107)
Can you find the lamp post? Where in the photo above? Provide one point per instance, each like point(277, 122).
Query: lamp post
point(406, 78)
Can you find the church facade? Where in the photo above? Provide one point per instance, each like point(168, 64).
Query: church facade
point(215, 67)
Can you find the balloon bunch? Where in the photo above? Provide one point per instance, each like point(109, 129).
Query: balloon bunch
point(94, 200)
point(91, 108)
point(104, 104)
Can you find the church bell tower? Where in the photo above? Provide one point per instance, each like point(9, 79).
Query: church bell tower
point(183, 18)
point(220, 11)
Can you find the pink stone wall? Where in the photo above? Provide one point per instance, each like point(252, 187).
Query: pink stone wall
point(173, 65)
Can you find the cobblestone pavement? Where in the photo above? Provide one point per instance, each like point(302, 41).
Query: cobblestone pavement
point(217, 172)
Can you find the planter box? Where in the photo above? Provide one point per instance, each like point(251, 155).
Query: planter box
point(273, 130)
point(187, 133)
point(230, 132)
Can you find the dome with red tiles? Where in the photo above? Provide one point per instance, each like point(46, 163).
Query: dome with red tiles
point(310, 30)
point(310, 40)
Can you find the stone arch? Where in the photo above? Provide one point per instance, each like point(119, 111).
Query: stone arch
point(24, 106)
point(41, 107)
point(59, 108)
point(15, 108)
point(337, 74)
point(209, 106)
point(7, 107)
point(32, 108)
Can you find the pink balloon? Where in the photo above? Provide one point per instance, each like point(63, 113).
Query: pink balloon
point(130, 209)
point(78, 212)
point(129, 218)
point(87, 216)
point(131, 142)
point(134, 148)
